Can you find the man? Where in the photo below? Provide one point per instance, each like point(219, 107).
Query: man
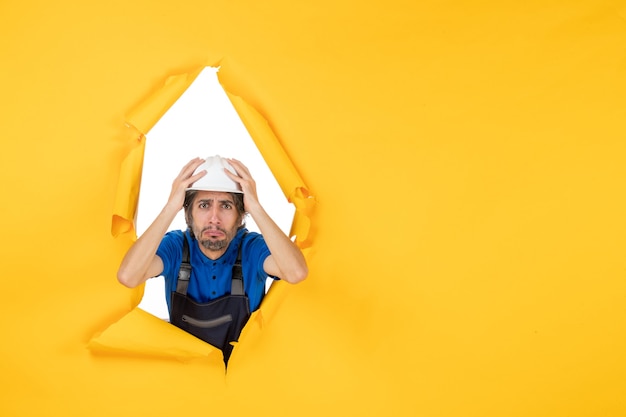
point(213, 301)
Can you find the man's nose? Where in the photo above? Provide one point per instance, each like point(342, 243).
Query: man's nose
point(213, 214)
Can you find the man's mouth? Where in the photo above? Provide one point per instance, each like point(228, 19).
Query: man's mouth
point(213, 233)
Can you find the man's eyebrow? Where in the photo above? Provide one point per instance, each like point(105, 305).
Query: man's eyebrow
point(209, 200)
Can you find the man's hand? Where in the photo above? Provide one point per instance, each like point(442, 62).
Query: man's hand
point(183, 181)
point(247, 183)
point(141, 261)
point(286, 260)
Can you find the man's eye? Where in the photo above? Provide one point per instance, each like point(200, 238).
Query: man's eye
point(227, 206)
point(204, 205)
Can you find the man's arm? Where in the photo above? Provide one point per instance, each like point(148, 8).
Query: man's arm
point(141, 261)
point(286, 260)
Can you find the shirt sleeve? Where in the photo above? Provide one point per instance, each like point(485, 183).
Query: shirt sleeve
point(258, 250)
point(170, 253)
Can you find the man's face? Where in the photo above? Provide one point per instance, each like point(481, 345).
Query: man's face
point(215, 221)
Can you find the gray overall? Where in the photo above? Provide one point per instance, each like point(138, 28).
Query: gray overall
point(217, 322)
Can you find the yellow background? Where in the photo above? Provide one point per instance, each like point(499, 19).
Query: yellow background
point(467, 244)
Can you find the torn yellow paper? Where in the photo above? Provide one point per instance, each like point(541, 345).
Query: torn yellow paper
point(285, 173)
point(141, 334)
point(140, 120)
point(467, 160)
point(150, 110)
point(127, 195)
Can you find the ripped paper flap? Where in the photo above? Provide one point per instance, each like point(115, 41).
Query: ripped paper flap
point(141, 334)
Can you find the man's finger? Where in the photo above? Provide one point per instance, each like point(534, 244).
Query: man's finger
point(191, 166)
point(239, 167)
point(235, 177)
point(196, 177)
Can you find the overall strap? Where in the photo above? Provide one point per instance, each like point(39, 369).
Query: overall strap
point(236, 286)
point(184, 273)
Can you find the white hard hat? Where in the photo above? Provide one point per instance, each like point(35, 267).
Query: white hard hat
point(215, 178)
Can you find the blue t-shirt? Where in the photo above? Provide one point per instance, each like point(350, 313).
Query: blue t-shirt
point(211, 279)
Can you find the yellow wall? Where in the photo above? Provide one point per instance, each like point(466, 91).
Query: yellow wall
point(467, 243)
